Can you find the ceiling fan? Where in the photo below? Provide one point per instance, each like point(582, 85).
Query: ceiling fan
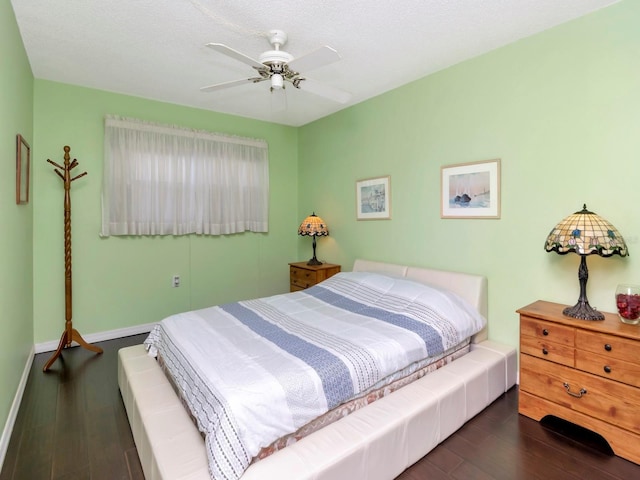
point(279, 67)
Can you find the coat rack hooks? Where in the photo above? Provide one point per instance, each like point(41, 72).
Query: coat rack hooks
point(70, 334)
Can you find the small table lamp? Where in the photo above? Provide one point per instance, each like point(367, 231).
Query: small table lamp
point(313, 226)
point(585, 233)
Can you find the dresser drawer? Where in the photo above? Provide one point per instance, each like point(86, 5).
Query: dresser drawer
point(302, 275)
point(608, 345)
point(302, 278)
point(615, 403)
point(608, 367)
point(296, 288)
point(542, 348)
point(547, 331)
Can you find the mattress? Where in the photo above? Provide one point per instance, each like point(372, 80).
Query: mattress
point(393, 383)
point(307, 352)
point(382, 389)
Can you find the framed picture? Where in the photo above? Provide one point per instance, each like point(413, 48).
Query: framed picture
point(23, 164)
point(373, 198)
point(471, 190)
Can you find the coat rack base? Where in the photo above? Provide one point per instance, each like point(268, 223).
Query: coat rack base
point(68, 336)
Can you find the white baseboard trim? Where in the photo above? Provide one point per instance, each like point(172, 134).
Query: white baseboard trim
point(15, 406)
point(51, 345)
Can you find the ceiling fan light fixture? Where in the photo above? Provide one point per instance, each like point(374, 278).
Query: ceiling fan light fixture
point(277, 82)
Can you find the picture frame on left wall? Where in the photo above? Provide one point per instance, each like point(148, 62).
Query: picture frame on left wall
point(373, 198)
point(23, 166)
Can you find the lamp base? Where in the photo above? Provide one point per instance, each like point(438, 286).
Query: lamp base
point(314, 260)
point(583, 311)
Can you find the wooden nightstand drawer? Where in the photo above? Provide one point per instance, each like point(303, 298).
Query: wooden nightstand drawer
point(608, 345)
point(608, 367)
point(303, 276)
point(547, 331)
point(555, 352)
point(613, 402)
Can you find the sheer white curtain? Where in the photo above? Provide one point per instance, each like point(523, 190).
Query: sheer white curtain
point(165, 180)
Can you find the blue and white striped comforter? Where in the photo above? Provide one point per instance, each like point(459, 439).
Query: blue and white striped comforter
point(254, 371)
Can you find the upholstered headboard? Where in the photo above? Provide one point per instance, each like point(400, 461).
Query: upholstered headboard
point(473, 288)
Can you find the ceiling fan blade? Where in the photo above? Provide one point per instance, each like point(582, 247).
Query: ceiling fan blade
point(230, 52)
point(232, 83)
point(316, 59)
point(323, 90)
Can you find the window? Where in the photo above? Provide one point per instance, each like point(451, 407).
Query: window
point(166, 180)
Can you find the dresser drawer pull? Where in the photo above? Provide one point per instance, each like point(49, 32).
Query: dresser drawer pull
point(607, 369)
point(545, 351)
point(545, 332)
point(607, 347)
point(577, 395)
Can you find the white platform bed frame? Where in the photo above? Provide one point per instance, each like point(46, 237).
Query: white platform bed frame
point(376, 442)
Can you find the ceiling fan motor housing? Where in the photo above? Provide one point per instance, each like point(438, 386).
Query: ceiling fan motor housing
point(276, 58)
point(271, 57)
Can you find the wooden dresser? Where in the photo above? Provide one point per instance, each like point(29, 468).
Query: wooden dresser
point(303, 276)
point(586, 372)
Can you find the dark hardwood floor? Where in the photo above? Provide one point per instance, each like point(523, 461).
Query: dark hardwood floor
point(72, 425)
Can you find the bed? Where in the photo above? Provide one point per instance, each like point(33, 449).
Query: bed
point(377, 441)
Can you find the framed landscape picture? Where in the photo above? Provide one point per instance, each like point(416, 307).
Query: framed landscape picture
point(471, 190)
point(23, 164)
point(373, 198)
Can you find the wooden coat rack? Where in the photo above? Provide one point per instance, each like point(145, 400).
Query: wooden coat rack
point(70, 334)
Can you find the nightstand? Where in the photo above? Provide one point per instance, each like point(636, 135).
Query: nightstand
point(586, 372)
point(303, 276)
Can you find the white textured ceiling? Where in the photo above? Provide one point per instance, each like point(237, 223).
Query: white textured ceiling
point(156, 48)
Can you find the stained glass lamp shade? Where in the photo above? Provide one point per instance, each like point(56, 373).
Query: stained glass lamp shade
point(585, 233)
point(313, 226)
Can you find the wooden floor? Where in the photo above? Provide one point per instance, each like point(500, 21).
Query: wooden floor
point(72, 425)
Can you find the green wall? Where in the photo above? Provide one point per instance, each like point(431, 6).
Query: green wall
point(16, 299)
point(120, 282)
point(560, 109)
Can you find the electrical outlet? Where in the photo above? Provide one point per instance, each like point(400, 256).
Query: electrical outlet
point(175, 281)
